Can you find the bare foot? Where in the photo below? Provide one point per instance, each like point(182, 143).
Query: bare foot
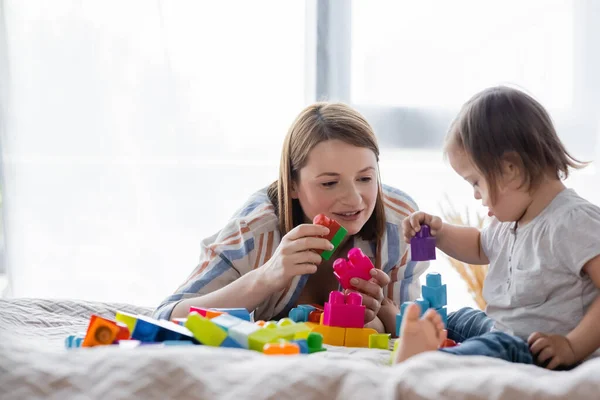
point(419, 335)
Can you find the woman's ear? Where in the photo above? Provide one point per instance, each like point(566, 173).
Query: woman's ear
point(294, 192)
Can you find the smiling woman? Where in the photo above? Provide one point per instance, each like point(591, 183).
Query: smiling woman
point(263, 260)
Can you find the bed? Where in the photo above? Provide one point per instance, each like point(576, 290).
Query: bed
point(34, 364)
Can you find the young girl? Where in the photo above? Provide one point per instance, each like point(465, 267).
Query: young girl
point(543, 244)
point(266, 259)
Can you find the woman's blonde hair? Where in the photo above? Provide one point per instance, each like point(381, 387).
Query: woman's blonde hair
point(315, 124)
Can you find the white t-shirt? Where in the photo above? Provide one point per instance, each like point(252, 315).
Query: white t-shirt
point(535, 281)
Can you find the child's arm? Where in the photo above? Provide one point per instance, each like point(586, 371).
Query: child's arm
point(460, 242)
point(581, 341)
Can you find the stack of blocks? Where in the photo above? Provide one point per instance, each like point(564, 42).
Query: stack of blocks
point(343, 321)
point(434, 296)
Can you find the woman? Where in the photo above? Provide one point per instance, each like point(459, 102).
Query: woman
point(267, 257)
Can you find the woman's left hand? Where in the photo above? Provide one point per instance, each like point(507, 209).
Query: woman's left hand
point(371, 291)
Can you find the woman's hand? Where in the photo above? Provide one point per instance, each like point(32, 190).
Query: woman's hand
point(372, 292)
point(412, 224)
point(297, 254)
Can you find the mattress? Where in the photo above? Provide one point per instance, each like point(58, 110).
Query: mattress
point(34, 364)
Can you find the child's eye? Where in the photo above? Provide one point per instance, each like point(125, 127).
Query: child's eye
point(475, 184)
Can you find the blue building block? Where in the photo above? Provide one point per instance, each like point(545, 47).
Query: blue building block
point(145, 330)
point(226, 321)
point(73, 341)
point(398, 323)
point(178, 343)
point(303, 344)
point(229, 342)
point(300, 313)
point(444, 314)
point(434, 292)
point(240, 313)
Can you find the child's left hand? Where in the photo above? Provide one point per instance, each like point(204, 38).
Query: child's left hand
point(372, 292)
point(554, 350)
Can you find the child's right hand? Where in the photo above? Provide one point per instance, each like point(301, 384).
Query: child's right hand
point(412, 224)
point(297, 254)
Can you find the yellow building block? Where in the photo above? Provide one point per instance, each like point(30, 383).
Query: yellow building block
point(358, 337)
point(204, 330)
point(128, 319)
point(294, 331)
point(332, 335)
point(379, 341)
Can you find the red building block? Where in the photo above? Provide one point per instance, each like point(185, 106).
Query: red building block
point(336, 233)
point(345, 311)
point(357, 266)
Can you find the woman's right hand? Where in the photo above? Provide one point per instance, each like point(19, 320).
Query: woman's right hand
point(412, 224)
point(297, 254)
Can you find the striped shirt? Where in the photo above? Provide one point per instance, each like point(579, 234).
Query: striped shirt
point(250, 238)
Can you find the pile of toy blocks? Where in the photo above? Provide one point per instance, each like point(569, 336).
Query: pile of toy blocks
point(211, 327)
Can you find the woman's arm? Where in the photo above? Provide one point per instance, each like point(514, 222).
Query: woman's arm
point(247, 292)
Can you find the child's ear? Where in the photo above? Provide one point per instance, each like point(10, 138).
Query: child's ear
point(511, 169)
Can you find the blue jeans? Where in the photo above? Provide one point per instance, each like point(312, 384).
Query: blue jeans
point(472, 329)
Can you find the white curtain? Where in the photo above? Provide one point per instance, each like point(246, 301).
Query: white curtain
point(133, 129)
point(130, 130)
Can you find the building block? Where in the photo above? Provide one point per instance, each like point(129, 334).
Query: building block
point(179, 321)
point(127, 319)
point(230, 343)
point(294, 331)
point(101, 331)
point(301, 313)
point(444, 314)
point(345, 311)
point(145, 330)
point(74, 341)
point(298, 315)
point(270, 325)
point(227, 321)
point(177, 343)
point(379, 341)
point(129, 344)
point(242, 331)
point(332, 335)
point(260, 323)
point(357, 266)
point(422, 245)
point(315, 342)
point(204, 330)
point(335, 236)
point(434, 292)
point(285, 322)
point(315, 316)
point(302, 344)
point(206, 312)
point(281, 348)
point(240, 313)
point(358, 337)
point(170, 331)
point(258, 339)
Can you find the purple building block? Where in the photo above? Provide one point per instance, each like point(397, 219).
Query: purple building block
point(422, 246)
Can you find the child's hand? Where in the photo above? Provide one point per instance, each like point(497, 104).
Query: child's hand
point(412, 224)
point(554, 350)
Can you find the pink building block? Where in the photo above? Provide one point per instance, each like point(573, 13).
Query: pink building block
point(344, 311)
point(357, 266)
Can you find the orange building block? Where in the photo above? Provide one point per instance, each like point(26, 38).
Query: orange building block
point(101, 331)
point(315, 316)
point(333, 335)
point(358, 337)
point(282, 348)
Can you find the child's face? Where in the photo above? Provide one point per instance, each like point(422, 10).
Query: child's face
point(340, 181)
point(511, 201)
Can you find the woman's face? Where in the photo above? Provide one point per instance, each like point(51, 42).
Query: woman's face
point(340, 181)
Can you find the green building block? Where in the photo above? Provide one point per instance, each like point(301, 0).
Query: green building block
point(335, 241)
point(205, 331)
point(315, 343)
point(379, 341)
point(258, 339)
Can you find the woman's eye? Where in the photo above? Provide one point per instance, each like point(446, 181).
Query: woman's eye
point(475, 184)
point(366, 179)
point(328, 184)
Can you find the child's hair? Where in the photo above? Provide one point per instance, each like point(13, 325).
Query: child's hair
point(315, 124)
point(502, 122)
